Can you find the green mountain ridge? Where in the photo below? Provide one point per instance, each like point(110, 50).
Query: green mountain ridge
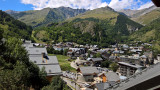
point(148, 17)
point(101, 26)
point(144, 16)
point(14, 28)
point(46, 16)
point(150, 33)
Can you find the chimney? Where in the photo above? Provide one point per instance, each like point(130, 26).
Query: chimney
point(43, 56)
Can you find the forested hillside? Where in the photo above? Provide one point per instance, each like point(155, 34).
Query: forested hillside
point(144, 16)
point(14, 28)
point(101, 26)
point(148, 17)
point(16, 72)
point(150, 33)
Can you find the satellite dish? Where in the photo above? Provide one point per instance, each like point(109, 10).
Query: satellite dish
point(156, 2)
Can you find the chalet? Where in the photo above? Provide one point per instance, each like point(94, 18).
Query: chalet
point(101, 77)
point(95, 61)
point(107, 77)
point(112, 77)
point(136, 49)
point(49, 63)
point(87, 74)
point(76, 52)
point(127, 69)
point(39, 56)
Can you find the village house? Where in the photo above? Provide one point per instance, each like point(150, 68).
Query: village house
point(39, 56)
point(107, 77)
point(75, 52)
point(95, 61)
point(127, 69)
point(136, 49)
point(87, 74)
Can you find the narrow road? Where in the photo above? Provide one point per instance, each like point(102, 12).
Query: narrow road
point(73, 64)
point(71, 84)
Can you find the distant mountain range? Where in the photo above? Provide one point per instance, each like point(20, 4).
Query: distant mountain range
point(144, 16)
point(102, 26)
point(11, 12)
point(45, 16)
point(150, 33)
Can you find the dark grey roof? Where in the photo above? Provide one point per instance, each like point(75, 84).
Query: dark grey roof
point(51, 64)
point(112, 76)
point(51, 69)
point(102, 86)
point(37, 59)
point(96, 59)
point(35, 50)
point(130, 65)
point(89, 70)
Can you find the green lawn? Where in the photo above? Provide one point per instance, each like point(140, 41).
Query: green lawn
point(64, 64)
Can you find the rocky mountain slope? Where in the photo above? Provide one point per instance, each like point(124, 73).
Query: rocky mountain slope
point(144, 16)
point(45, 16)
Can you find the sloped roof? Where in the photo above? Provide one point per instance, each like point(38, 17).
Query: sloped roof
point(130, 65)
point(89, 70)
point(51, 69)
point(112, 76)
point(37, 59)
point(51, 65)
point(36, 50)
point(96, 59)
point(102, 86)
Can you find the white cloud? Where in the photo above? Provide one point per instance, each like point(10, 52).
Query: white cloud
point(123, 4)
point(146, 5)
point(86, 4)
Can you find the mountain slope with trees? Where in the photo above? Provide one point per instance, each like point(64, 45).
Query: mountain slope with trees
point(16, 71)
point(144, 16)
point(101, 26)
point(46, 16)
point(14, 28)
point(148, 17)
point(150, 33)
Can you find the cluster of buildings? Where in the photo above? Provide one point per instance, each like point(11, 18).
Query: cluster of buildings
point(131, 59)
point(95, 77)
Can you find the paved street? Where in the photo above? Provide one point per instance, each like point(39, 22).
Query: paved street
point(73, 64)
point(71, 83)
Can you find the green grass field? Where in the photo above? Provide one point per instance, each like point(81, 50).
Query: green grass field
point(64, 63)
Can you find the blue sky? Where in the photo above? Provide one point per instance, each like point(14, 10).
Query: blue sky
point(14, 5)
point(24, 5)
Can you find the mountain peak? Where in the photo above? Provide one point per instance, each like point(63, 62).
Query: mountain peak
point(11, 11)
